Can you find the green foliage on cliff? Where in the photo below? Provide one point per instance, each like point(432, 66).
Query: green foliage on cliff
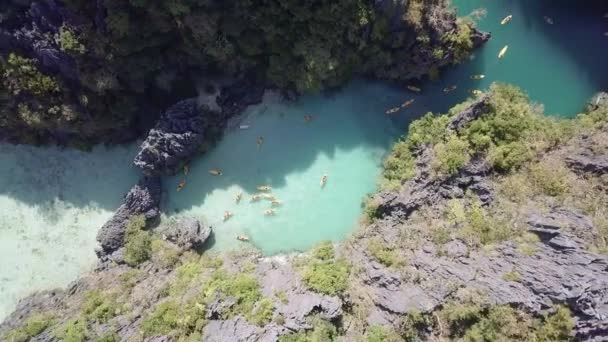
point(509, 134)
point(381, 252)
point(323, 273)
point(21, 75)
point(141, 47)
point(75, 330)
point(322, 331)
point(101, 307)
point(378, 333)
point(138, 242)
point(32, 327)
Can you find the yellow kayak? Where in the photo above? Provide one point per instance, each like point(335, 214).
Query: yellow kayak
point(264, 188)
point(414, 88)
point(181, 185)
point(506, 20)
point(502, 52)
point(476, 92)
point(242, 238)
point(215, 172)
point(269, 212)
point(478, 77)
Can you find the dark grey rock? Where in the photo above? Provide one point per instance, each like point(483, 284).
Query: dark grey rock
point(236, 329)
point(174, 140)
point(142, 199)
point(424, 188)
point(473, 112)
point(187, 233)
point(588, 163)
point(598, 100)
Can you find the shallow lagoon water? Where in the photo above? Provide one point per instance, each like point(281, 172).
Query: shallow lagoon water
point(52, 202)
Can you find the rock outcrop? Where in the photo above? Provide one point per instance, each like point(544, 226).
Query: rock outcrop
point(174, 140)
point(142, 199)
point(187, 233)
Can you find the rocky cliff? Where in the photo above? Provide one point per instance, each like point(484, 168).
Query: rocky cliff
point(491, 225)
point(81, 72)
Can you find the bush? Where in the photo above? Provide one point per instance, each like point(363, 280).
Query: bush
point(451, 155)
point(324, 251)
point(138, 243)
point(550, 177)
point(381, 252)
point(75, 330)
point(33, 326)
point(322, 331)
point(509, 157)
point(482, 228)
point(108, 337)
point(378, 333)
point(164, 254)
point(163, 320)
point(244, 288)
point(557, 326)
point(262, 314)
point(68, 41)
point(329, 277)
point(413, 323)
point(22, 75)
point(100, 307)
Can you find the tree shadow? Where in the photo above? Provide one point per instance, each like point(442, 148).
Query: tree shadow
point(51, 177)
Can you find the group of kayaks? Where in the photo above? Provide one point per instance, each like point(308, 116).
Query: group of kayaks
point(446, 90)
point(264, 193)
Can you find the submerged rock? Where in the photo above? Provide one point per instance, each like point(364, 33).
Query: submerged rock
point(142, 199)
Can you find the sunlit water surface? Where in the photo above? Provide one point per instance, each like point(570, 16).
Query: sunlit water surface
point(52, 202)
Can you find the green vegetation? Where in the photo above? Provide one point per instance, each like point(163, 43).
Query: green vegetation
point(68, 41)
point(381, 252)
point(163, 253)
point(75, 330)
point(470, 321)
point(379, 333)
point(509, 135)
point(109, 337)
point(512, 276)
point(323, 273)
point(482, 228)
point(101, 307)
point(302, 46)
point(138, 242)
point(33, 326)
point(282, 297)
point(263, 313)
point(323, 331)
point(451, 156)
point(21, 75)
point(412, 325)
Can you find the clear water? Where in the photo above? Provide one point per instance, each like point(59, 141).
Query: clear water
point(52, 202)
point(560, 65)
point(346, 139)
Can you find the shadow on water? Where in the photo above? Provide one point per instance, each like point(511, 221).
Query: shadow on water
point(44, 176)
point(579, 30)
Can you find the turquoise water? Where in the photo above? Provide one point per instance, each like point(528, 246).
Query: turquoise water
point(347, 138)
point(560, 65)
point(52, 202)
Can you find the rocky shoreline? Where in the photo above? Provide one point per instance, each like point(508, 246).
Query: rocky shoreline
point(549, 262)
